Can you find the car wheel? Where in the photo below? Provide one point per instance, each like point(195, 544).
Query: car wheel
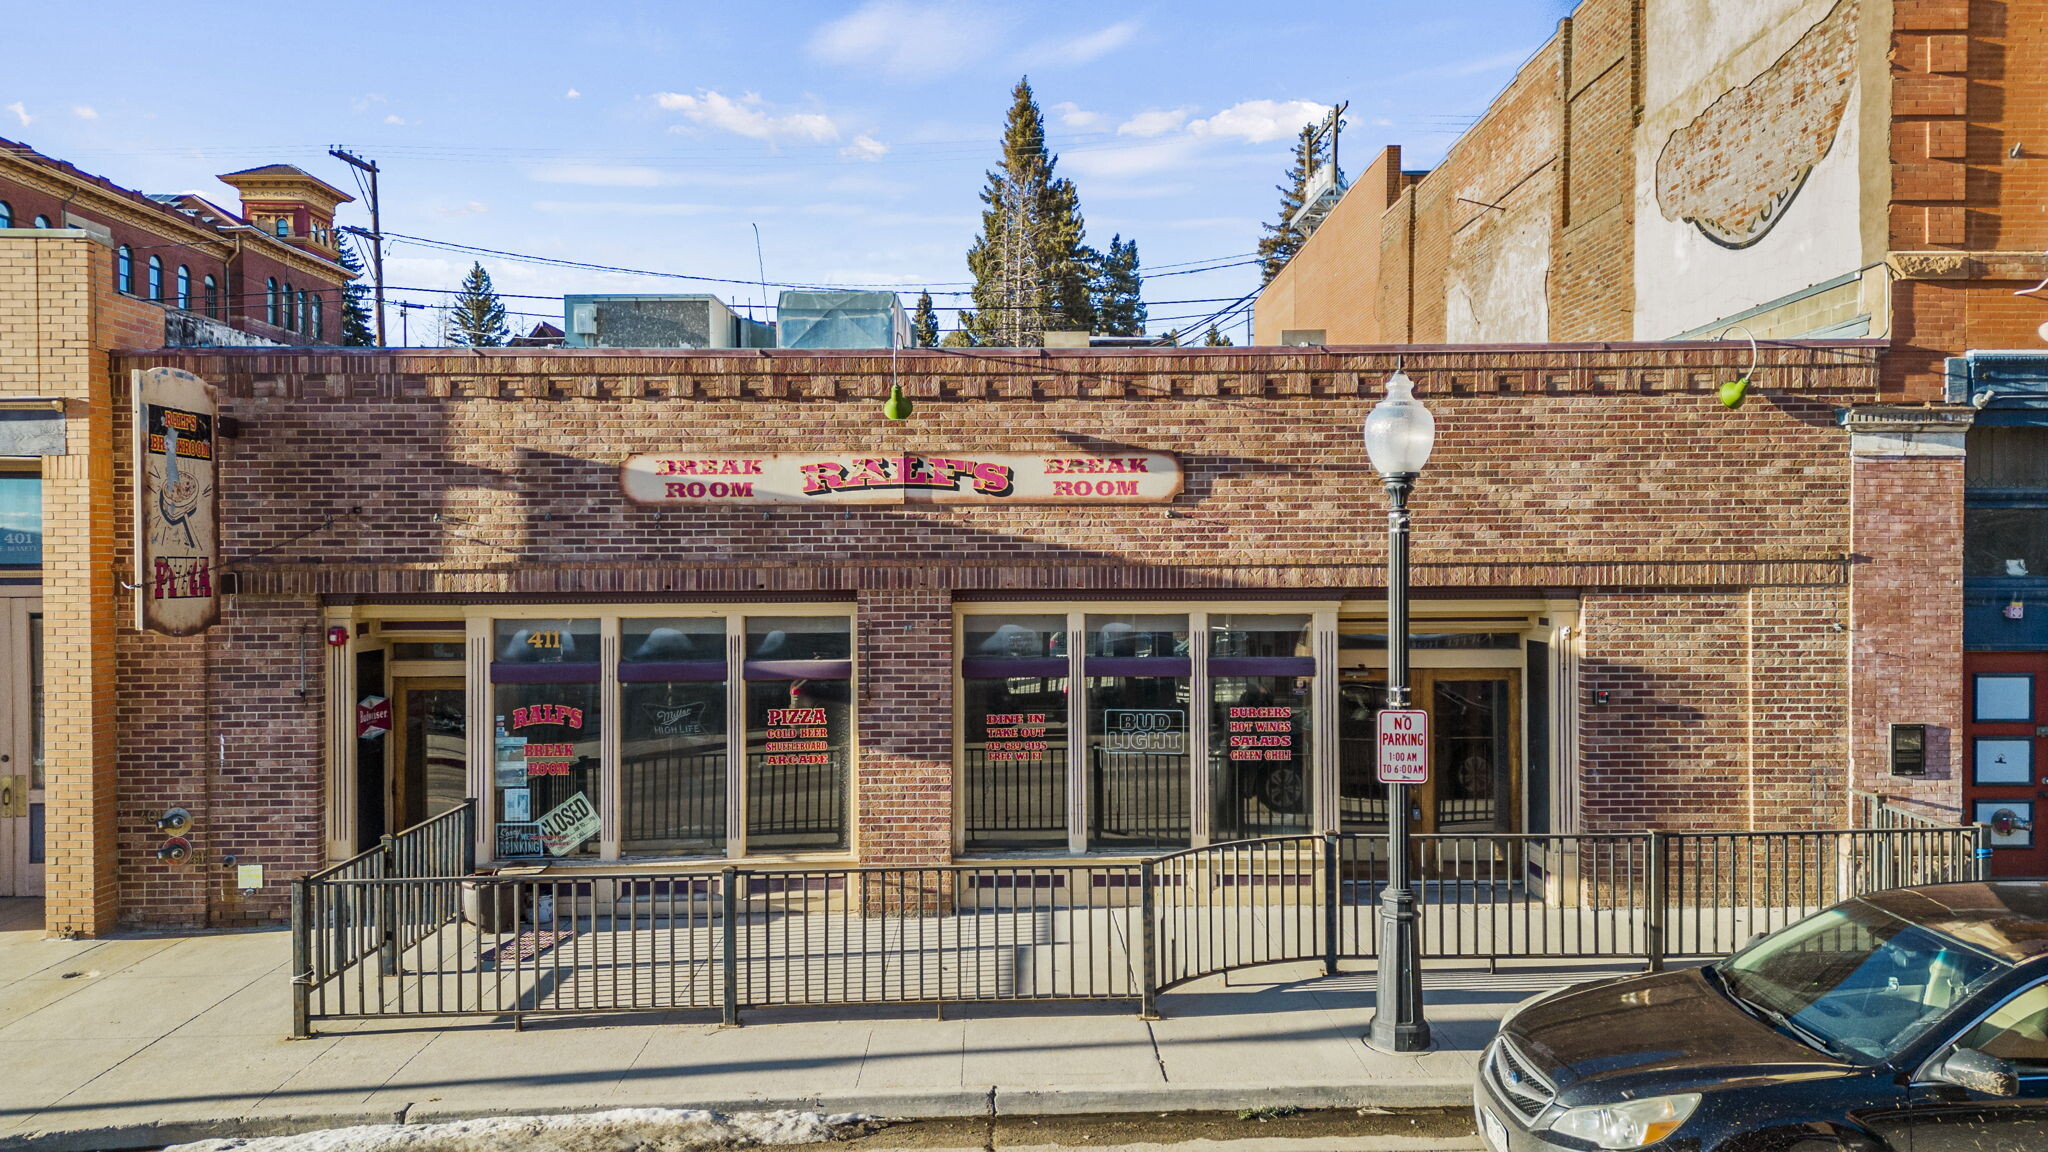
point(1280, 789)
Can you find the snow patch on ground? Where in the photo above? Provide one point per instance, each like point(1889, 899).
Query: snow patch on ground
point(618, 1130)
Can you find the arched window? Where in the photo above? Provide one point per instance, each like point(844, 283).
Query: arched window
point(270, 301)
point(319, 322)
point(291, 312)
point(42, 221)
point(305, 313)
point(212, 296)
point(184, 283)
point(6, 214)
point(284, 227)
point(156, 278)
point(124, 269)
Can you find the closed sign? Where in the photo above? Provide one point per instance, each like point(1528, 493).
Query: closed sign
point(1404, 746)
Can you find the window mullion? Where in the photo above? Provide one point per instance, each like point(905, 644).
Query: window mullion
point(610, 747)
point(1200, 756)
point(735, 736)
point(1325, 746)
point(1077, 734)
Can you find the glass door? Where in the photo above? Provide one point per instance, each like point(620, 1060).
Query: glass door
point(429, 771)
point(2005, 757)
point(1474, 773)
point(21, 747)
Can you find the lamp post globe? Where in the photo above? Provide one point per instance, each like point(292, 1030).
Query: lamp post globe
point(1399, 434)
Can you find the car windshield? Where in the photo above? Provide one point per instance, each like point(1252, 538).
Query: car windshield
point(1854, 981)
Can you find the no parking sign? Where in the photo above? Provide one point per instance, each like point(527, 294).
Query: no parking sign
point(1404, 746)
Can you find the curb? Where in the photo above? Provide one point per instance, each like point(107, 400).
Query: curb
point(918, 1104)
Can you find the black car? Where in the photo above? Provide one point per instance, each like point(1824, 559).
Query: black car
point(1914, 1020)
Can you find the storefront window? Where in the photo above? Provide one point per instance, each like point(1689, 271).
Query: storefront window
point(21, 518)
point(672, 752)
point(1261, 674)
point(1138, 681)
point(1014, 704)
point(546, 764)
point(799, 693)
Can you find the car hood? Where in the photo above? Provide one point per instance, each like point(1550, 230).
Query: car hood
point(1648, 1035)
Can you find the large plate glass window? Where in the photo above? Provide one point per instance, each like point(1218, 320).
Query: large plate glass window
point(1138, 685)
point(672, 736)
point(799, 694)
point(1014, 706)
point(547, 746)
point(1261, 680)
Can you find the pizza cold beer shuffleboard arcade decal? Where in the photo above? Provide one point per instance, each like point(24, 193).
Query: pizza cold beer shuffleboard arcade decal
point(935, 478)
point(177, 505)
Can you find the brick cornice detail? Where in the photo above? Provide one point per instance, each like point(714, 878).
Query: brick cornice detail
point(2031, 267)
point(298, 580)
point(1846, 367)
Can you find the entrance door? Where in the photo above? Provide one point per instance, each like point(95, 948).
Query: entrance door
point(1475, 750)
point(21, 746)
point(429, 766)
point(2005, 757)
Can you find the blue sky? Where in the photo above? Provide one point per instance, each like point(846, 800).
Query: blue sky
point(654, 135)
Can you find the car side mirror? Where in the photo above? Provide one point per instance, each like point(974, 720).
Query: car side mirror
point(1969, 1068)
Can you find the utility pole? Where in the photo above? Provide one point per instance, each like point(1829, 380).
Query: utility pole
point(376, 232)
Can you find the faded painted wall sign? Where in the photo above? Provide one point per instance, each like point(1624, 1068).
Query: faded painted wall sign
point(962, 478)
point(177, 505)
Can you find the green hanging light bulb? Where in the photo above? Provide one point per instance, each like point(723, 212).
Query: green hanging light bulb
point(897, 406)
point(1734, 392)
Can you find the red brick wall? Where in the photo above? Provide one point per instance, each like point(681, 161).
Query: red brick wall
point(1709, 545)
point(1906, 591)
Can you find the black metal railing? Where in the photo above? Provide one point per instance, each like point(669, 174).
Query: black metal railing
point(371, 943)
point(1008, 804)
point(674, 802)
point(796, 807)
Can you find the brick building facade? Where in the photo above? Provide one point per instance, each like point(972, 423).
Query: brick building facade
point(1636, 609)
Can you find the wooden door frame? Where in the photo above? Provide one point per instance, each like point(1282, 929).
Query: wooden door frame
point(396, 771)
point(17, 741)
point(1426, 680)
point(2034, 664)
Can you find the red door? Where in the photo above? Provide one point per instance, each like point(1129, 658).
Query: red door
point(2005, 756)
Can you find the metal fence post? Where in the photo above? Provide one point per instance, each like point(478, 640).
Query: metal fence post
point(469, 837)
point(302, 975)
point(1148, 945)
point(1330, 901)
point(387, 909)
point(731, 937)
point(1655, 903)
point(1981, 848)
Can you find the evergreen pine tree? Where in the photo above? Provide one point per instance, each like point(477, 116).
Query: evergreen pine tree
point(476, 317)
point(1282, 239)
point(1031, 271)
point(924, 323)
point(1216, 338)
point(1119, 300)
point(356, 328)
point(1172, 338)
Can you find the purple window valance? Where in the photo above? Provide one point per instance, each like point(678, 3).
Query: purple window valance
point(1262, 666)
point(1000, 667)
point(1138, 666)
point(666, 671)
point(799, 669)
point(545, 674)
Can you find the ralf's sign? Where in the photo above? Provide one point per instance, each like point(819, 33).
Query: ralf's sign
point(1404, 746)
point(958, 478)
point(177, 502)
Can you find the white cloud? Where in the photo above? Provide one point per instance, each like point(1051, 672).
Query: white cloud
point(85, 112)
point(606, 208)
point(597, 175)
point(1123, 163)
point(21, 113)
point(1155, 122)
point(748, 116)
point(865, 147)
point(1072, 115)
point(395, 118)
point(1258, 121)
point(571, 94)
point(910, 41)
point(1083, 49)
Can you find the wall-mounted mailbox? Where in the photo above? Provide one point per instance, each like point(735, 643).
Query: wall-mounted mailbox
point(1909, 749)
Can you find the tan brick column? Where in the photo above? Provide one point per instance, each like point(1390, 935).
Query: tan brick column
point(50, 289)
point(1906, 596)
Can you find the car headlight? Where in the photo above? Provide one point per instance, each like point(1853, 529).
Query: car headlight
point(1629, 1124)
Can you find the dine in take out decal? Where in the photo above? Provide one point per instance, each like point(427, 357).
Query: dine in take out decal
point(954, 478)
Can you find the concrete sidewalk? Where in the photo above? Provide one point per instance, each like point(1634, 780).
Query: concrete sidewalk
point(144, 1040)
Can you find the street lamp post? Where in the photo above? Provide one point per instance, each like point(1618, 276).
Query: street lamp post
point(1398, 436)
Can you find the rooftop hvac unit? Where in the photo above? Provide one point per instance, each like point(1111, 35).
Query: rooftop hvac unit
point(820, 319)
point(681, 321)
